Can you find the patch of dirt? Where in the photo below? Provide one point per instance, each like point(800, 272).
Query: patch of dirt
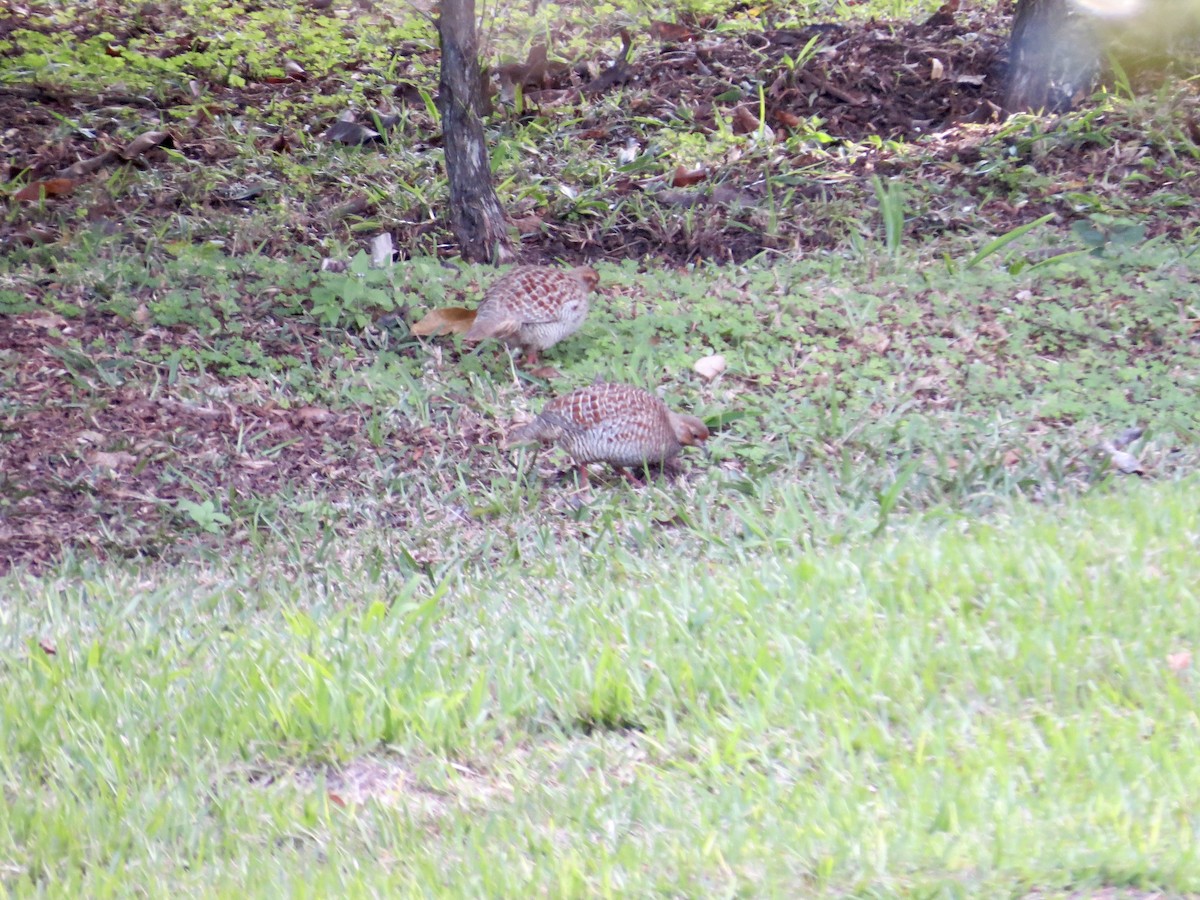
point(895, 81)
point(91, 457)
point(919, 83)
point(81, 462)
point(391, 781)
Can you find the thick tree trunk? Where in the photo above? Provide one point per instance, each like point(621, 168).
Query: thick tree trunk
point(476, 217)
point(1053, 57)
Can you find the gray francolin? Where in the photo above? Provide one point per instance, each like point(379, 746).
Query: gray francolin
point(534, 307)
point(614, 423)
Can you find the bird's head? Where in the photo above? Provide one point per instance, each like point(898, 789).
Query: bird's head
point(689, 431)
point(589, 276)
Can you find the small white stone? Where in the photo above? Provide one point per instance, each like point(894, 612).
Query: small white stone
point(709, 367)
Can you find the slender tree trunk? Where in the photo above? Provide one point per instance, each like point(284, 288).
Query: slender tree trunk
point(476, 217)
point(1053, 57)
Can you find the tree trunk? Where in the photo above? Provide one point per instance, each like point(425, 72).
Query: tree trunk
point(476, 217)
point(1053, 57)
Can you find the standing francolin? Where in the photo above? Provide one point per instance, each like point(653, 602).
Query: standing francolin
point(534, 307)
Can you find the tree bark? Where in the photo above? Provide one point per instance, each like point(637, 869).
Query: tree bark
point(476, 217)
point(1053, 57)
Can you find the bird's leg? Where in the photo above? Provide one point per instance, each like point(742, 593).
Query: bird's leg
point(533, 458)
point(633, 479)
point(531, 356)
point(582, 496)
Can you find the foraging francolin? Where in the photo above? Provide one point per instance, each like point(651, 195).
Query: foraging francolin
point(614, 423)
point(534, 307)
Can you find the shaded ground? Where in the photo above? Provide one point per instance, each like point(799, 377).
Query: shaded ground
point(895, 81)
point(92, 456)
point(88, 458)
point(94, 453)
point(912, 101)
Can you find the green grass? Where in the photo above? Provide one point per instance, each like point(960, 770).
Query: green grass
point(955, 709)
point(905, 632)
point(859, 387)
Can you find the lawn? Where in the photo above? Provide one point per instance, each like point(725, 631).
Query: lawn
point(955, 708)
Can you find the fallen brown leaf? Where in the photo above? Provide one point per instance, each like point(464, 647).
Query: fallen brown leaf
point(530, 224)
point(744, 121)
point(88, 436)
point(255, 465)
point(88, 166)
point(143, 142)
point(51, 187)
point(447, 320)
point(687, 177)
point(670, 32)
point(312, 415)
point(928, 383)
point(787, 119)
point(45, 320)
point(33, 235)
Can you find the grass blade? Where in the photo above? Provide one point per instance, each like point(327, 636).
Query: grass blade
point(1005, 239)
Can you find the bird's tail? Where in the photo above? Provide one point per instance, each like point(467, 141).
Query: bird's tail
point(546, 428)
point(489, 327)
point(525, 434)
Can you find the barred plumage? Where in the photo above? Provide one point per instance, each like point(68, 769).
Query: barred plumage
point(534, 307)
point(614, 423)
